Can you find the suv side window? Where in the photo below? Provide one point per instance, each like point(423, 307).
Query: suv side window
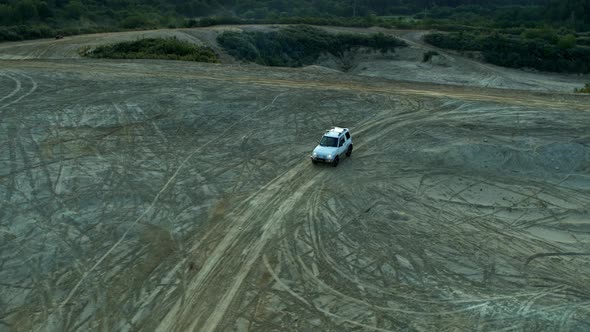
point(341, 141)
point(347, 135)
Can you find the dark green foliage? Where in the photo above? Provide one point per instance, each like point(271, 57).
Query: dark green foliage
point(428, 55)
point(137, 22)
point(447, 15)
point(21, 32)
point(298, 45)
point(583, 41)
point(515, 51)
point(154, 48)
point(585, 89)
point(215, 20)
point(546, 34)
point(566, 42)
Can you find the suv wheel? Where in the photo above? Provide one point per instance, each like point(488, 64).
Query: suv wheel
point(335, 162)
point(349, 151)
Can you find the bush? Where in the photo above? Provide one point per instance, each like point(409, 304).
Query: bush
point(566, 42)
point(154, 48)
point(548, 35)
point(428, 55)
point(298, 45)
point(585, 89)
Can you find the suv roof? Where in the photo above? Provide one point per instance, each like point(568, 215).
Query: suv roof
point(335, 132)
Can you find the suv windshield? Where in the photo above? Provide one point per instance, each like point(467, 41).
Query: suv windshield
point(329, 141)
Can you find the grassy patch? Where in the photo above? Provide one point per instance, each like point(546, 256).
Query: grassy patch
point(299, 45)
point(154, 48)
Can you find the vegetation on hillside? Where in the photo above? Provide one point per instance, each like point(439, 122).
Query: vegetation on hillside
point(541, 50)
point(299, 45)
point(556, 31)
point(26, 19)
point(154, 48)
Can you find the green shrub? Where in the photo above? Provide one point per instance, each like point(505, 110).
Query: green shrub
point(566, 42)
point(585, 89)
point(298, 45)
point(546, 34)
point(154, 48)
point(428, 55)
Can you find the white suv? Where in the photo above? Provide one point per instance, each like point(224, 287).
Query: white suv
point(335, 143)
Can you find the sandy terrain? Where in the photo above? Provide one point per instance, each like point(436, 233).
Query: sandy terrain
point(172, 196)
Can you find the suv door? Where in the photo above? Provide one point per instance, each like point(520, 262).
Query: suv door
point(347, 143)
point(341, 145)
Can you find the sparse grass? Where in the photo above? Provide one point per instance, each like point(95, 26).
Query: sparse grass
point(153, 48)
point(585, 89)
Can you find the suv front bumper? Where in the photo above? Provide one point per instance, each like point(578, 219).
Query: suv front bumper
point(321, 160)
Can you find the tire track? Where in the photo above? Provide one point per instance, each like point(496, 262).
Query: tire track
point(279, 196)
point(276, 196)
point(321, 257)
point(18, 89)
point(524, 98)
point(87, 273)
point(422, 241)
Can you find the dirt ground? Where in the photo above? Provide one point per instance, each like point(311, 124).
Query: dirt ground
point(172, 196)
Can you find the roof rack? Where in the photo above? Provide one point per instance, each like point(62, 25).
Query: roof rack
point(337, 130)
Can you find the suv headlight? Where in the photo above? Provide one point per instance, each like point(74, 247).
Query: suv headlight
point(329, 156)
point(315, 154)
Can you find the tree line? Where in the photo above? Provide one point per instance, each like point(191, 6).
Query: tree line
point(29, 19)
point(130, 13)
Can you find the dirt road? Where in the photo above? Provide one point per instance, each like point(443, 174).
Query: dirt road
point(169, 196)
